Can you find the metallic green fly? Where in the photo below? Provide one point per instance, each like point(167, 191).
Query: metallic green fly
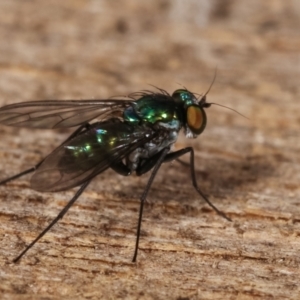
point(127, 135)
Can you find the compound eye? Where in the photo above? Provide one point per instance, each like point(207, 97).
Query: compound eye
point(196, 119)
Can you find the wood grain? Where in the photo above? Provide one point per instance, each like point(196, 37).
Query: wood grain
point(249, 168)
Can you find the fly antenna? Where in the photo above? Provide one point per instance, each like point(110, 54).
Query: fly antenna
point(213, 81)
point(203, 98)
point(228, 108)
point(205, 104)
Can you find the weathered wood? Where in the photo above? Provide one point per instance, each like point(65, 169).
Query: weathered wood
point(249, 168)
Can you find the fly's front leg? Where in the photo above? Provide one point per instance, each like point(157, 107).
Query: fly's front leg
point(175, 155)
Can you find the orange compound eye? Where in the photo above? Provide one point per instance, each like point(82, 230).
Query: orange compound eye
point(196, 119)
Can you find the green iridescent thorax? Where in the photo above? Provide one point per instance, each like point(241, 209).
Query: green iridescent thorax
point(152, 109)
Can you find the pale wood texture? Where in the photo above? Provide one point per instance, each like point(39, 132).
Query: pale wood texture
point(250, 168)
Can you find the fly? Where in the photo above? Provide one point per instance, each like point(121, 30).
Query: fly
point(133, 135)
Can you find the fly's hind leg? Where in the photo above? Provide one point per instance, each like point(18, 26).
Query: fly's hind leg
point(55, 220)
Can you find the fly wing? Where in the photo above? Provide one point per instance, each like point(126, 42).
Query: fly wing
point(88, 154)
point(59, 114)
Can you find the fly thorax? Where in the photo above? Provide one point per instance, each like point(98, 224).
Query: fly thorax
point(171, 125)
point(151, 148)
point(161, 142)
point(133, 158)
point(151, 109)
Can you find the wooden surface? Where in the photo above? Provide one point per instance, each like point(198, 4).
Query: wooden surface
point(249, 168)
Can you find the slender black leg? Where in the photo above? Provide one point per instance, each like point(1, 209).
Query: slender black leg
point(59, 216)
point(176, 155)
point(144, 196)
point(32, 169)
point(20, 174)
point(183, 162)
point(148, 164)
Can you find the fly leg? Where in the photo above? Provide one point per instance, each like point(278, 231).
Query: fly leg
point(182, 162)
point(176, 155)
point(147, 165)
point(54, 221)
point(32, 169)
point(64, 210)
point(160, 159)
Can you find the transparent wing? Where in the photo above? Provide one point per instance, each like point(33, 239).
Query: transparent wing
point(88, 154)
point(60, 114)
